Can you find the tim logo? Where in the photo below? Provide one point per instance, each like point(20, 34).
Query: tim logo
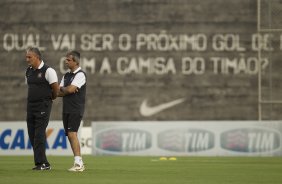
point(123, 140)
point(191, 140)
point(250, 140)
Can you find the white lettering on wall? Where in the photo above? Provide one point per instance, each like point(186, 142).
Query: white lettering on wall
point(63, 41)
point(97, 42)
point(20, 42)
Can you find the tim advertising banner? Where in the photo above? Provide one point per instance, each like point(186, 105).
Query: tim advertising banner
point(189, 138)
point(14, 139)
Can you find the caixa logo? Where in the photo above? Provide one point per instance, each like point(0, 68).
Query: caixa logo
point(250, 140)
point(190, 140)
point(123, 140)
point(11, 139)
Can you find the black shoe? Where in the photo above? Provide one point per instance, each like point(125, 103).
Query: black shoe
point(42, 167)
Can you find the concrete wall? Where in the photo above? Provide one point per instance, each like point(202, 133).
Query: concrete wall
point(159, 50)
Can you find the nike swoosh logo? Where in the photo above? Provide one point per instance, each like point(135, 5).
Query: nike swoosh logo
point(146, 110)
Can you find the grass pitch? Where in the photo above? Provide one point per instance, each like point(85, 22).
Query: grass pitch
point(145, 170)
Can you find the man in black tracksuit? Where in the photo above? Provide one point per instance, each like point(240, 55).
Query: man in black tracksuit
point(42, 89)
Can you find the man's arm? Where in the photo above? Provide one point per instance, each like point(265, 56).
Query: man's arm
point(67, 90)
point(52, 78)
point(77, 82)
point(55, 90)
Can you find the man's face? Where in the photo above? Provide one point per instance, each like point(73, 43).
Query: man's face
point(31, 59)
point(70, 63)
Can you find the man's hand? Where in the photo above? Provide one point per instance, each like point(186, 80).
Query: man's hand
point(67, 90)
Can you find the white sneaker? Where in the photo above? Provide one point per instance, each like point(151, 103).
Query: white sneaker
point(77, 168)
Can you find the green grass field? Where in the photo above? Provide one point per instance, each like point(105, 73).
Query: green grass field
point(145, 170)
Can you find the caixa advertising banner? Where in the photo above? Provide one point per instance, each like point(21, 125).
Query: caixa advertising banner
point(14, 139)
point(188, 138)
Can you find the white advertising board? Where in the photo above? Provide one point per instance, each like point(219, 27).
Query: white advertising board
point(14, 139)
point(188, 138)
point(86, 140)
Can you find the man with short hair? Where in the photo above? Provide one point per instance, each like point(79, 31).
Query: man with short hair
point(73, 91)
point(43, 87)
